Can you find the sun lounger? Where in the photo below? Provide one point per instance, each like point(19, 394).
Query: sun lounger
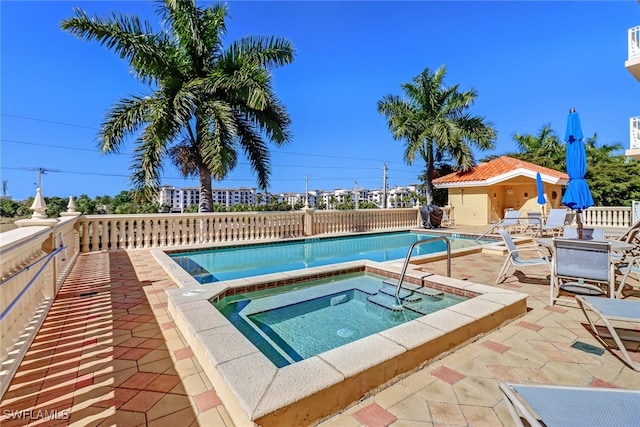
point(556, 220)
point(561, 406)
point(602, 312)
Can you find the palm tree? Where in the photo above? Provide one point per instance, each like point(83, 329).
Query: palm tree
point(544, 149)
point(434, 122)
point(206, 101)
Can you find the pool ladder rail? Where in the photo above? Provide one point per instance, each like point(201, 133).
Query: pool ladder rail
point(411, 293)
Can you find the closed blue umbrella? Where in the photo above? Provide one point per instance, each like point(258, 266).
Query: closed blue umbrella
point(577, 196)
point(540, 187)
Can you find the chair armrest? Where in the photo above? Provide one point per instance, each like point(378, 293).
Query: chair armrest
point(540, 253)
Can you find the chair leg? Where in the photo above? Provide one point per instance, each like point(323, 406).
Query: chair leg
point(624, 278)
point(504, 269)
point(611, 332)
point(553, 287)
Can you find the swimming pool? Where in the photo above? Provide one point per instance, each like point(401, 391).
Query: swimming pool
point(252, 260)
point(305, 321)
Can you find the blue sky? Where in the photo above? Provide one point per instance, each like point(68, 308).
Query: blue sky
point(529, 62)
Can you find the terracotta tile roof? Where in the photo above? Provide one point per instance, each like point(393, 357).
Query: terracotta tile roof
point(503, 165)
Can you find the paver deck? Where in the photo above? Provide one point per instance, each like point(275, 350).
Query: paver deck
point(109, 354)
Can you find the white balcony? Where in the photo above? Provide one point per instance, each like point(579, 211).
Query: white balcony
point(633, 61)
point(634, 138)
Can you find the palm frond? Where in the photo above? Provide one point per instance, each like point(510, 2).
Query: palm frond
point(126, 117)
point(132, 39)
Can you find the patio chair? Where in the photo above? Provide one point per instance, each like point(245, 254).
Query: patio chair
point(631, 233)
point(515, 258)
point(562, 406)
point(587, 233)
point(601, 313)
point(534, 222)
point(632, 266)
point(510, 221)
point(556, 220)
point(581, 267)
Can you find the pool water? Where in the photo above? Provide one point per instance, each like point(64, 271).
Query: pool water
point(246, 261)
point(321, 315)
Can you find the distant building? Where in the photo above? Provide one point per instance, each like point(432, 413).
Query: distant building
point(178, 199)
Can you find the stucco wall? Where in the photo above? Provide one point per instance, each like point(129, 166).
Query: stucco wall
point(471, 205)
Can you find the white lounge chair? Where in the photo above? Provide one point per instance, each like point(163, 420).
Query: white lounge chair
point(581, 267)
point(510, 221)
point(556, 220)
point(604, 312)
point(515, 258)
point(561, 406)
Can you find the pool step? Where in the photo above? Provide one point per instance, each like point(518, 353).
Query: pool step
point(405, 295)
point(389, 288)
point(385, 301)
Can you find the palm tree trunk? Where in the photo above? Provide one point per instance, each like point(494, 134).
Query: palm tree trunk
point(429, 183)
point(206, 200)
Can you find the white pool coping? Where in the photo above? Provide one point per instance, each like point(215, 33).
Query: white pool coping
point(255, 391)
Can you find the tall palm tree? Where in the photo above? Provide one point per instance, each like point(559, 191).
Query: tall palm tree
point(207, 101)
point(434, 122)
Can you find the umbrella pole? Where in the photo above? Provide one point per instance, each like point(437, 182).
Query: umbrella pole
point(579, 223)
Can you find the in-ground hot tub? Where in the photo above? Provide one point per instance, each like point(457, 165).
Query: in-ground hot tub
point(255, 390)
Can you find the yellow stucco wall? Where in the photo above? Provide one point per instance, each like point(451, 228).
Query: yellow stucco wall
point(471, 205)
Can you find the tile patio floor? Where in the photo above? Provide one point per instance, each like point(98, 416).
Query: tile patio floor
point(109, 354)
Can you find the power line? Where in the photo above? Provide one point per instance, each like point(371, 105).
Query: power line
point(292, 179)
point(240, 163)
point(48, 121)
point(53, 146)
point(94, 128)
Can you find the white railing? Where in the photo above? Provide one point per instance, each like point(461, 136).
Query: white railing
point(328, 222)
point(35, 261)
point(115, 232)
point(634, 42)
point(608, 217)
point(634, 133)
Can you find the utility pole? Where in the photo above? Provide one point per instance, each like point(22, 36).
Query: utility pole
point(41, 171)
point(356, 193)
point(384, 186)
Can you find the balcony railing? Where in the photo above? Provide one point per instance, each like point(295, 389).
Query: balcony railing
point(634, 42)
point(634, 133)
point(115, 232)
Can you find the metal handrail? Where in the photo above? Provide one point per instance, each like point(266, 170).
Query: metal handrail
point(501, 223)
point(47, 258)
point(408, 257)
